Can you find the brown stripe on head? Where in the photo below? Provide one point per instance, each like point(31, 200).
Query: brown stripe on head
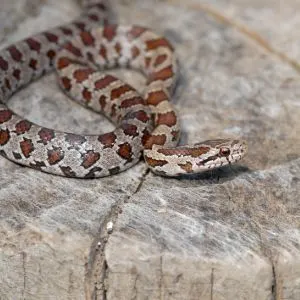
point(154, 162)
point(188, 167)
point(169, 119)
point(184, 151)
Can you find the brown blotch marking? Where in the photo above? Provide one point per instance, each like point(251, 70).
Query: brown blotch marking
point(3, 64)
point(140, 115)
point(161, 42)
point(26, 147)
point(154, 162)
point(66, 30)
point(87, 38)
point(17, 155)
point(23, 126)
point(188, 167)
point(184, 151)
point(163, 74)
point(114, 171)
point(109, 32)
point(63, 62)
point(90, 158)
point(168, 119)
point(67, 171)
point(16, 73)
point(80, 25)
point(4, 136)
point(5, 115)
point(66, 82)
point(118, 92)
point(155, 140)
point(160, 59)
point(125, 151)
point(93, 17)
point(131, 102)
point(74, 50)
point(130, 129)
point(15, 53)
point(52, 38)
point(46, 135)
point(92, 172)
point(55, 155)
point(32, 64)
point(75, 140)
point(135, 52)
point(113, 111)
point(87, 95)
point(146, 136)
point(107, 139)
point(175, 135)
point(104, 82)
point(154, 98)
point(90, 57)
point(7, 84)
point(147, 61)
point(103, 52)
point(82, 74)
point(51, 54)
point(102, 101)
point(135, 32)
point(118, 48)
point(33, 44)
point(38, 165)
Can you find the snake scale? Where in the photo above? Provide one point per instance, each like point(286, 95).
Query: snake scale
point(80, 51)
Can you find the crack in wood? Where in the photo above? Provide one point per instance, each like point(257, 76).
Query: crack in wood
point(97, 268)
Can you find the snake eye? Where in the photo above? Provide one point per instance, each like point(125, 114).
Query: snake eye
point(224, 152)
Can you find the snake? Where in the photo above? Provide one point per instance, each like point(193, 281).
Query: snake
point(146, 124)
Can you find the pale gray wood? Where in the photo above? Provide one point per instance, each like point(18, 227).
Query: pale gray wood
point(232, 234)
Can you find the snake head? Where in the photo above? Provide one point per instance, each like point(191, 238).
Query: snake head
point(220, 152)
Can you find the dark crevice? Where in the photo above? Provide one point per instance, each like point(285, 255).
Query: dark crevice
point(97, 268)
point(274, 283)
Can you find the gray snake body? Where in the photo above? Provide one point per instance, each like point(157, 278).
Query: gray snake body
point(146, 125)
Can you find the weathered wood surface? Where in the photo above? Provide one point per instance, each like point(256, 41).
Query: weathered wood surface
point(233, 234)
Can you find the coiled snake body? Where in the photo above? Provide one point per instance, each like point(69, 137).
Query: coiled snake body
point(149, 125)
